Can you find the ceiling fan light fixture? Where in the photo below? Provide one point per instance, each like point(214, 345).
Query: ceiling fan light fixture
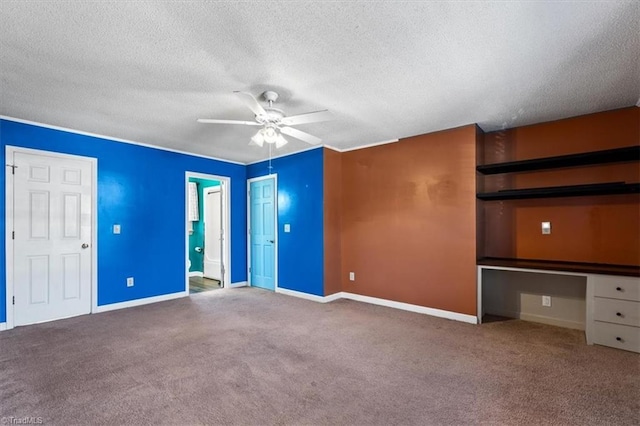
point(258, 138)
point(281, 141)
point(270, 135)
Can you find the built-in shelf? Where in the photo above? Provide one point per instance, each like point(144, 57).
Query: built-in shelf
point(550, 265)
point(611, 188)
point(617, 155)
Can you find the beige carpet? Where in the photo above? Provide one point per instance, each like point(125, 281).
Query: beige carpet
point(251, 357)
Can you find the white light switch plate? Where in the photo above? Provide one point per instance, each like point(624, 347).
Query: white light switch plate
point(287, 227)
point(116, 229)
point(546, 228)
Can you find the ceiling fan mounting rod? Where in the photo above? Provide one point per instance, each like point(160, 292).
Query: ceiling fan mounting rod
point(270, 96)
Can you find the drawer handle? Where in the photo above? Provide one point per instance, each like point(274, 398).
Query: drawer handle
point(618, 314)
point(619, 288)
point(619, 339)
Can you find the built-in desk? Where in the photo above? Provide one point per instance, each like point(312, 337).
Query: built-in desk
point(612, 297)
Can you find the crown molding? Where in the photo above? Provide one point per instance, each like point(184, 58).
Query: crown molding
point(208, 157)
point(110, 138)
point(285, 155)
point(370, 145)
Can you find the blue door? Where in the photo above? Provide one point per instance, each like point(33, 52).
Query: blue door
point(262, 233)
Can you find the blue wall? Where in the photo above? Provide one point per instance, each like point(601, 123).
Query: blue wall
point(300, 203)
point(197, 238)
point(142, 189)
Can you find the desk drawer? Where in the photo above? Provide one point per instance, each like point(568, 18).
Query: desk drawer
point(625, 288)
point(617, 336)
point(617, 311)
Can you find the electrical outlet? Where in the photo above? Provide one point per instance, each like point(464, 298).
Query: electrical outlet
point(116, 229)
point(352, 276)
point(130, 282)
point(287, 227)
point(546, 301)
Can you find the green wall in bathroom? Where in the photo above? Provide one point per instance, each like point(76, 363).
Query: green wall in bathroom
point(197, 238)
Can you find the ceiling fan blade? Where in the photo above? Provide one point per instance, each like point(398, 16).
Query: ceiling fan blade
point(251, 102)
point(214, 121)
point(298, 134)
point(311, 117)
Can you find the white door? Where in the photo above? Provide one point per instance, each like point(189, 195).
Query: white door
point(263, 230)
point(213, 232)
point(52, 243)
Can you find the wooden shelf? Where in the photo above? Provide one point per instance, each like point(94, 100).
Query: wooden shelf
point(548, 265)
point(617, 155)
point(611, 188)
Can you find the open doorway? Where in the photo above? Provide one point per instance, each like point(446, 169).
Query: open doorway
point(207, 239)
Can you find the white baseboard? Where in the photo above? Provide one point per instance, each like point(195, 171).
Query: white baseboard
point(3, 326)
point(238, 284)
point(471, 319)
point(196, 274)
point(139, 302)
point(334, 296)
point(558, 322)
point(301, 295)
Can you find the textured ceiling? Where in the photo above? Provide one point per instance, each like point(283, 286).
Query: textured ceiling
point(145, 71)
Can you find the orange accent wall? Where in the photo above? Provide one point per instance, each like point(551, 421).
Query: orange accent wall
point(409, 220)
point(602, 229)
point(332, 164)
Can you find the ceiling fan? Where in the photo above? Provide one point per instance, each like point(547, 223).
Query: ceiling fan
point(273, 121)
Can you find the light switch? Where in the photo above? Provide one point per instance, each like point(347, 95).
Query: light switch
point(116, 229)
point(546, 228)
point(287, 227)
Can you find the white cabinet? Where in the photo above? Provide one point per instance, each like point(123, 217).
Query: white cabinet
point(613, 311)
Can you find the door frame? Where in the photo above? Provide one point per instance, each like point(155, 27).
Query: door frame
point(226, 256)
point(9, 184)
point(273, 176)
